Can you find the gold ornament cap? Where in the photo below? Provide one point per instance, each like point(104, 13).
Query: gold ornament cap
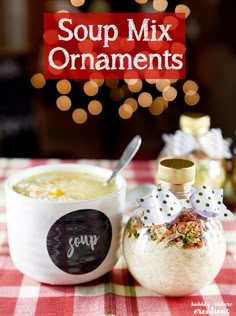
point(194, 123)
point(176, 171)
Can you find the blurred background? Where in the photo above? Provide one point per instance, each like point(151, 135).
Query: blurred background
point(40, 118)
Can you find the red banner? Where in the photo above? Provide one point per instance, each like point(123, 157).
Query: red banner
point(114, 45)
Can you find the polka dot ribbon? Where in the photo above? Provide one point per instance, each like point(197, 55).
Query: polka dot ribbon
point(163, 206)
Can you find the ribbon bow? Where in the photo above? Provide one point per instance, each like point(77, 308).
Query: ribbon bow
point(182, 144)
point(163, 206)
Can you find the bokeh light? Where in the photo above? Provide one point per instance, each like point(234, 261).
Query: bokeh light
point(151, 80)
point(162, 100)
point(79, 116)
point(50, 37)
point(131, 77)
point(141, 1)
point(95, 107)
point(182, 8)
point(178, 48)
point(157, 46)
point(77, 3)
point(63, 86)
point(62, 11)
point(90, 88)
point(157, 107)
point(126, 45)
point(63, 103)
point(86, 46)
point(191, 98)
point(161, 84)
point(160, 5)
point(98, 78)
point(132, 102)
point(172, 20)
point(125, 111)
point(136, 87)
point(54, 71)
point(151, 76)
point(174, 74)
point(131, 82)
point(173, 80)
point(116, 45)
point(190, 85)
point(169, 93)
point(38, 81)
point(145, 99)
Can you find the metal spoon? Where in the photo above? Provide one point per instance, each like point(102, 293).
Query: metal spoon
point(126, 157)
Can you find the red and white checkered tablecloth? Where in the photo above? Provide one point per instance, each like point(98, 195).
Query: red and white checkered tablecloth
point(116, 293)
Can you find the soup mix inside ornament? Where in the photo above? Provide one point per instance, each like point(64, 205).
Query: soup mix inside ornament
point(197, 142)
point(173, 243)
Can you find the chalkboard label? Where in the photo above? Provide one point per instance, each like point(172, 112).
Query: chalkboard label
point(79, 241)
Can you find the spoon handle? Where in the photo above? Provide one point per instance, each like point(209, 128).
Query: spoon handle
point(127, 155)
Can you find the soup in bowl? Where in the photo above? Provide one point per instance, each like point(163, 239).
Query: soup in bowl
point(63, 223)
